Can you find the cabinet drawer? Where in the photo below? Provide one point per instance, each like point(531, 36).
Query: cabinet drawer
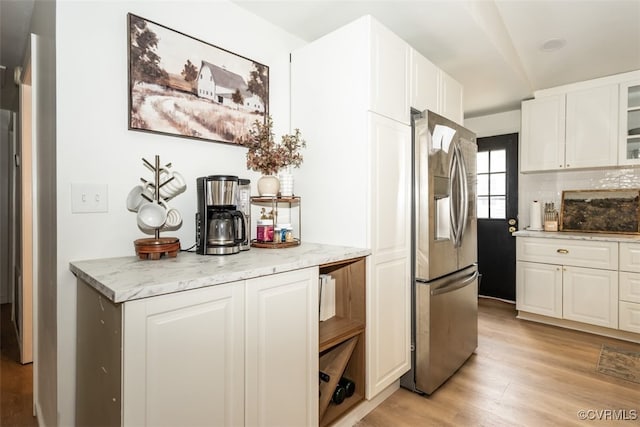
point(577, 253)
point(630, 257)
point(630, 287)
point(629, 317)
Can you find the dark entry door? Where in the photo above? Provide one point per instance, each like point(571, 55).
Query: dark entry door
point(497, 215)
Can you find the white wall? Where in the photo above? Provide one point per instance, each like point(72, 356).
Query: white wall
point(95, 146)
point(548, 186)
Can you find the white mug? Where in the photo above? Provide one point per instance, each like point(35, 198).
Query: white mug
point(151, 216)
point(174, 218)
point(135, 198)
point(169, 189)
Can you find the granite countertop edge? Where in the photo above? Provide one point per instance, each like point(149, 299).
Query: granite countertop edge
point(125, 279)
point(574, 235)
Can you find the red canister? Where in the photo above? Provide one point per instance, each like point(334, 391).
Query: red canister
point(264, 232)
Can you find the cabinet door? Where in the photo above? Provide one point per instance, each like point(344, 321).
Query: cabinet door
point(629, 316)
point(629, 129)
point(539, 288)
point(450, 98)
point(282, 349)
point(424, 91)
point(184, 358)
point(629, 287)
point(389, 74)
point(388, 293)
point(543, 126)
point(590, 296)
point(630, 257)
point(592, 127)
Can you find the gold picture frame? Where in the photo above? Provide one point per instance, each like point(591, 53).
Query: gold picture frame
point(601, 211)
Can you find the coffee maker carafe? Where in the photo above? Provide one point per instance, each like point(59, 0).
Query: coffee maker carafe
point(220, 228)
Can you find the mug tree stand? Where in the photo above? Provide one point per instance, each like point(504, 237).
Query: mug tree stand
point(154, 248)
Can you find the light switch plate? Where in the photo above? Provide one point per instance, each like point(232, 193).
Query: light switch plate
point(89, 198)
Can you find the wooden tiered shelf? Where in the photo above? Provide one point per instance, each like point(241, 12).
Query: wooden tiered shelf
point(342, 338)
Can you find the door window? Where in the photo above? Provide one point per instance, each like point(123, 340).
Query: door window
point(492, 184)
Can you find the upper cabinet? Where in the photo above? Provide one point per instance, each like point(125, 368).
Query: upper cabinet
point(629, 130)
point(433, 89)
point(389, 76)
point(542, 138)
point(590, 124)
point(450, 98)
point(425, 79)
point(570, 131)
point(592, 127)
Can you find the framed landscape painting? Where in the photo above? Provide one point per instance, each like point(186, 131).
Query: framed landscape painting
point(182, 86)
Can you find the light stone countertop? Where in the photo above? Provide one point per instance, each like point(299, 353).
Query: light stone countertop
point(572, 235)
point(129, 278)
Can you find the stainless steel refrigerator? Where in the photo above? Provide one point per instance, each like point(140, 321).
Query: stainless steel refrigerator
point(444, 251)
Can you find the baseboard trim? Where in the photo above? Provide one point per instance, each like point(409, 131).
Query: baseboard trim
point(578, 326)
point(360, 411)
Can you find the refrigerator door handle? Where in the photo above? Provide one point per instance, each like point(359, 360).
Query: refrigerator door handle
point(462, 170)
point(454, 284)
point(453, 219)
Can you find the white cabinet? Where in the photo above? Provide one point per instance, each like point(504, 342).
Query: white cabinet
point(389, 73)
point(241, 353)
point(356, 181)
point(568, 279)
point(629, 317)
point(629, 129)
point(568, 131)
point(388, 302)
point(183, 358)
point(590, 296)
point(432, 89)
point(592, 127)
point(282, 349)
point(542, 134)
point(451, 98)
point(425, 84)
point(539, 288)
point(629, 306)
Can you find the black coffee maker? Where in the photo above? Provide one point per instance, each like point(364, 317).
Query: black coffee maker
point(220, 227)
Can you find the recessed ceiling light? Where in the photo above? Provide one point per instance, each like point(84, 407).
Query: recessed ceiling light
point(552, 45)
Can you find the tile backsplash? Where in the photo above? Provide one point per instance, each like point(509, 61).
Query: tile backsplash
point(548, 186)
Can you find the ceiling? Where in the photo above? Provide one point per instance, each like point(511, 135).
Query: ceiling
point(492, 47)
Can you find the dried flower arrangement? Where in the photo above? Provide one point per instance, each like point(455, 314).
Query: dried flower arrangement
point(267, 157)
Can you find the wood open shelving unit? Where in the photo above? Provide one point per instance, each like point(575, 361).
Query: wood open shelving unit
point(342, 338)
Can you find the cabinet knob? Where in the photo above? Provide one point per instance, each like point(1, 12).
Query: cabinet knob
point(563, 251)
point(512, 229)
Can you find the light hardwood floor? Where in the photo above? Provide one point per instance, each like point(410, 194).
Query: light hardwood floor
point(522, 373)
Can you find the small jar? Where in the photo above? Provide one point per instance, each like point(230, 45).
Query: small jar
point(288, 234)
point(284, 229)
point(264, 230)
point(277, 235)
